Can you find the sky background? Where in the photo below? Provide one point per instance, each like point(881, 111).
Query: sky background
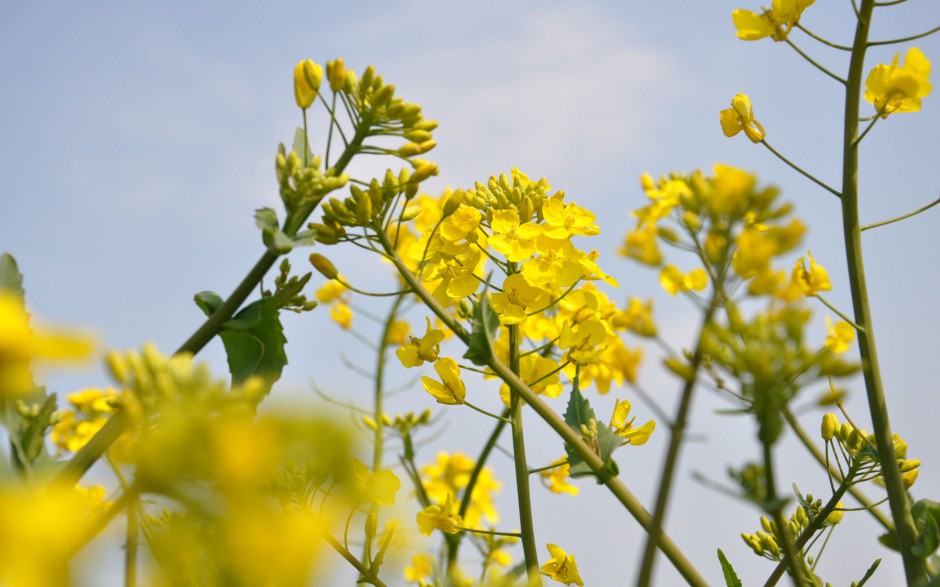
point(137, 139)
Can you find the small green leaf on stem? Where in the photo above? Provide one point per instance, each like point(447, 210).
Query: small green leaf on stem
point(485, 325)
point(731, 578)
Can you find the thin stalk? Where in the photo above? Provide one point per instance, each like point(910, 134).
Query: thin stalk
point(822, 40)
point(790, 552)
point(905, 39)
point(815, 64)
point(914, 568)
point(677, 430)
point(529, 547)
point(557, 423)
point(903, 217)
point(801, 171)
point(834, 471)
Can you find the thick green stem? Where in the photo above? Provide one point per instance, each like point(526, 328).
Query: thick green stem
point(556, 422)
point(677, 431)
point(529, 547)
point(914, 568)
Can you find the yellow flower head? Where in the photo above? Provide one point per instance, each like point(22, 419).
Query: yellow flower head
point(379, 487)
point(307, 76)
point(419, 350)
point(556, 478)
point(517, 296)
point(811, 280)
point(450, 390)
point(893, 88)
point(515, 240)
point(839, 337)
point(563, 220)
point(562, 567)
point(440, 517)
point(583, 340)
point(775, 22)
point(741, 117)
point(21, 346)
point(674, 280)
point(623, 427)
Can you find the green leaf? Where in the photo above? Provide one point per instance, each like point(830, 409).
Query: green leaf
point(485, 325)
point(208, 302)
point(890, 540)
point(731, 578)
point(578, 413)
point(276, 239)
point(926, 514)
point(254, 342)
point(11, 280)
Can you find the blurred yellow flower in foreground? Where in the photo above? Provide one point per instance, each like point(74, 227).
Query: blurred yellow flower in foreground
point(21, 345)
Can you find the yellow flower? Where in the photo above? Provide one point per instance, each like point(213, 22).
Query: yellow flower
point(584, 340)
point(342, 314)
point(555, 478)
point(623, 427)
point(811, 280)
point(839, 337)
point(673, 280)
point(419, 569)
point(21, 345)
point(562, 567)
point(419, 350)
point(539, 370)
point(899, 89)
point(440, 517)
point(775, 22)
point(398, 332)
point(516, 241)
point(741, 117)
point(555, 267)
point(307, 76)
point(563, 220)
point(451, 390)
point(450, 474)
point(379, 487)
point(641, 244)
point(517, 296)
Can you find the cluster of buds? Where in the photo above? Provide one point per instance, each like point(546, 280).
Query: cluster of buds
point(288, 290)
point(504, 192)
point(363, 207)
point(403, 423)
point(766, 542)
point(859, 449)
point(301, 184)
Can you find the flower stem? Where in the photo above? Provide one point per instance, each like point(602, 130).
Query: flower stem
point(557, 423)
point(800, 170)
point(791, 557)
point(914, 568)
point(677, 430)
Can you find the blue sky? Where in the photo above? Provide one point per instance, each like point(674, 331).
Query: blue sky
point(138, 138)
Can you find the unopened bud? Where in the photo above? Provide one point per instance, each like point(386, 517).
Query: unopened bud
point(336, 74)
point(307, 77)
point(323, 265)
point(453, 202)
point(383, 95)
point(424, 171)
point(417, 135)
point(829, 426)
point(372, 525)
point(836, 516)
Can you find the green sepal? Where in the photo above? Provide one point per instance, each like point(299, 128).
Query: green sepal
point(485, 325)
point(731, 578)
point(254, 338)
point(579, 412)
point(275, 239)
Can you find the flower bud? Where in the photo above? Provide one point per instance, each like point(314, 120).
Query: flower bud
point(307, 76)
point(336, 74)
point(836, 516)
point(323, 265)
point(372, 524)
point(424, 171)
point(829, 426)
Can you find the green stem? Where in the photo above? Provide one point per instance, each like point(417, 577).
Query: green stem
point(815, 64)
point(790, 552)
point(131, 542)
point(368, 575)
point(903, 217)
point(676, 433)
point(905, 39)
point(914, 568)
point(836, 310)
point(834, 471)
point(557, 423)
point(75, 468)
point(529, 547)
point(485, 413)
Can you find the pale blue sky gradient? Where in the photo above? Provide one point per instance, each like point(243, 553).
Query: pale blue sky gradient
point(136, 140)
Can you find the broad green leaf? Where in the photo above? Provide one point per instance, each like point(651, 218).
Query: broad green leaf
point(578, 413)
point(731, 578)
point(11, 280)
point(254, 342)
point(485, 325)
point(926, 514)
point(253, 339)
